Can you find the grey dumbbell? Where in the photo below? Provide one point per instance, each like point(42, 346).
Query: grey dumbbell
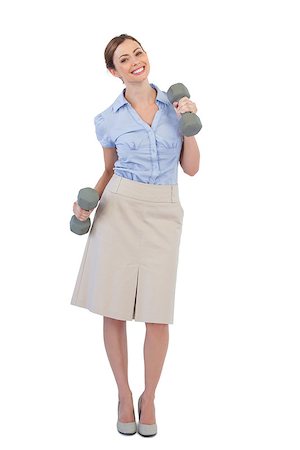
point(87, 199)
point(190, 123)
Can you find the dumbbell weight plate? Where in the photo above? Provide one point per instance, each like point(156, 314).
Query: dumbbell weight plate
point(87, 198)
point(176, 92)
point(190, 124)
point(80, 226)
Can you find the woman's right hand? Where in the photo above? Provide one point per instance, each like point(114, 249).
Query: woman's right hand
point(80, 213)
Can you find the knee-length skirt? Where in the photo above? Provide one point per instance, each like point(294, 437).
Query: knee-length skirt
point(129, 266)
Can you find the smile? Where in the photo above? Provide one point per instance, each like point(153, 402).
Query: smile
point(138, 71)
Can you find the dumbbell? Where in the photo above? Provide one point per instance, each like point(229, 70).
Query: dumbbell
point(189, 123)
point(87, 199)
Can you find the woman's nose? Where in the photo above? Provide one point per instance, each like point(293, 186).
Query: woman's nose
point(135, 60)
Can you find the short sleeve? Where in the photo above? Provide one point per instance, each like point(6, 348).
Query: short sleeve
point(101, 131)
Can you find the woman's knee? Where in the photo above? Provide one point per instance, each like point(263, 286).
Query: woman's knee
point(157, 327)
point(113, 322)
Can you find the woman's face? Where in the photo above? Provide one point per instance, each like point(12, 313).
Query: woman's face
point(128, 58)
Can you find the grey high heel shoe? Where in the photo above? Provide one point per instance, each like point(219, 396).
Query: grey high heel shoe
point(144, 429)
point(127, 428)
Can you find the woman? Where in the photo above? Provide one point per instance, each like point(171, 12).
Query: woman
point(128, 270)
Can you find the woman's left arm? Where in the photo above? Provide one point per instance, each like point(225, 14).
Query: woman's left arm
point(190, 154)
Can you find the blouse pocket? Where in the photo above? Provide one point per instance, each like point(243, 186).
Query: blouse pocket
point(169, 149)
point(131, 141)
point(125, 149)
point(169, 144)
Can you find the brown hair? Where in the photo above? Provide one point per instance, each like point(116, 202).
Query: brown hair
point(111, 48)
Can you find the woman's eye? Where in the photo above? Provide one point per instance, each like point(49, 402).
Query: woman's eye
point(137, 53)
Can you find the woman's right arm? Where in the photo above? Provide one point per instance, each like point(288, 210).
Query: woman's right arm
point(110, 157)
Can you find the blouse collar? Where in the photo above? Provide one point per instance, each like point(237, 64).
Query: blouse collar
point(121, 100)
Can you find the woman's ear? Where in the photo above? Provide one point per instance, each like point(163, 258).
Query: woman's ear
point(113, 72)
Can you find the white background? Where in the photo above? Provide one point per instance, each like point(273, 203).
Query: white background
point(231, 376)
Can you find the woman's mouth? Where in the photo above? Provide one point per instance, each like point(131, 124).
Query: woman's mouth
point(139, 70)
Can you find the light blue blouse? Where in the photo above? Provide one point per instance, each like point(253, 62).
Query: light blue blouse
point(149, 154)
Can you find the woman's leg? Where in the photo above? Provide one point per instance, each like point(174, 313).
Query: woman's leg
point(115, 341)
point(155, 350)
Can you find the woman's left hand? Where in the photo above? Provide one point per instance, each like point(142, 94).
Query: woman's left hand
point(185, 104)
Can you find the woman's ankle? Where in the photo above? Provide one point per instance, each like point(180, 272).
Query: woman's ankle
point(148, 396)
point(125, 395)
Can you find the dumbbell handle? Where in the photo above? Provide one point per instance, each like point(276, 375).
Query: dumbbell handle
point(82, 208)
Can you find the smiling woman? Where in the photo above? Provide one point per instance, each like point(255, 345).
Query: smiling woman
point(111, 48)
point(129, 266)
point(132, 61)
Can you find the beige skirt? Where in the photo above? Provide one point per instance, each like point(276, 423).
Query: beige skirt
point(129, 266)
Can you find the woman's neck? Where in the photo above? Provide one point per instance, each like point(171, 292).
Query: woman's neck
point(140, 94)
